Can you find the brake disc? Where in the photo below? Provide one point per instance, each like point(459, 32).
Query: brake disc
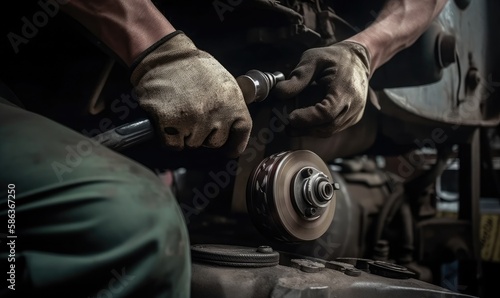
point(291, 196)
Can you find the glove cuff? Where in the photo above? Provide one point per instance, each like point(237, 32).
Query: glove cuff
point(359, 46)
point(153, 47)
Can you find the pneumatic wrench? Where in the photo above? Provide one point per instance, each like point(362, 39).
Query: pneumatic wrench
point(255, 86)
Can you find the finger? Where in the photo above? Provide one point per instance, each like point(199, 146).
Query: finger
point(340, 123)
point(321, 113)
point(172, 138)
point(197, 137)
point(299, 79)
point(239, 134)
point(217, 136)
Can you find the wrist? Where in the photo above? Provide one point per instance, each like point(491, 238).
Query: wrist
point(152, 48)
point(373, 44)
point(149, 28)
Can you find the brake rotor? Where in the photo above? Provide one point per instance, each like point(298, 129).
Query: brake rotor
point(291, 196)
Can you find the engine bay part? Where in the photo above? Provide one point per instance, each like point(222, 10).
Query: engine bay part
point(291, 196)
point(234, 256)
point(297, 276)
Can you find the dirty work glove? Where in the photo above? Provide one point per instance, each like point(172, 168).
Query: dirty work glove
point(191, 99)
point(342, 72)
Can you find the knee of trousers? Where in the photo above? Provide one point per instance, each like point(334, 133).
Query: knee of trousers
point(95, 230)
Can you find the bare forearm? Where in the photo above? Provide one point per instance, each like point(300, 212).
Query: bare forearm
point(398, 26)
point(127, 27)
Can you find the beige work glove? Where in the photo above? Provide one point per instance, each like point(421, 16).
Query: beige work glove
point(191, 99)
point(342, 72)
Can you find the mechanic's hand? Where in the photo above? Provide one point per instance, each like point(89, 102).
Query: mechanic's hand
point(342, 70)
point(191, 99)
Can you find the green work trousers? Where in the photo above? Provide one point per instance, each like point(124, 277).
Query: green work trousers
point(87, 222)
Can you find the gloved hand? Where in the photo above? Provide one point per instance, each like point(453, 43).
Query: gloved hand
point(342, 70)
point(191, 99)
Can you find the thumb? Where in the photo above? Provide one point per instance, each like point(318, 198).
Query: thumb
point(299, 79)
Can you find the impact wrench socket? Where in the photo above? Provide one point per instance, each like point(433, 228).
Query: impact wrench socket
point(255, 86)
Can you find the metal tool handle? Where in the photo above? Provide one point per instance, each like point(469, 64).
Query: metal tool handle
point(255, 86)
point(126, 135)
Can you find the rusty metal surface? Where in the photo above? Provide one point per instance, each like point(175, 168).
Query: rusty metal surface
point(299, 277)
point(439, 101)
